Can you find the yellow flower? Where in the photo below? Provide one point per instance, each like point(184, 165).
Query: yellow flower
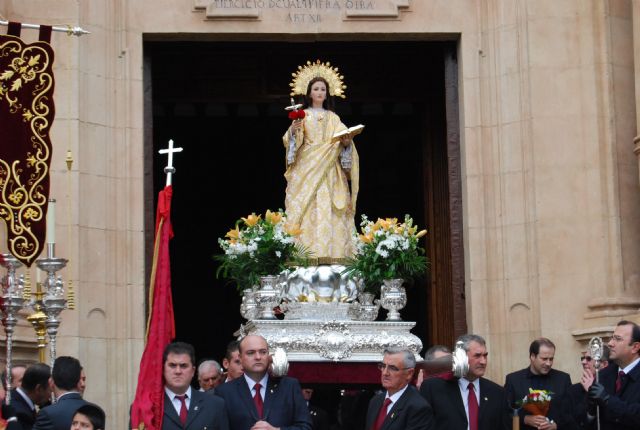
point(293, 230)
point(421, 233)
point(252, 219)
point(273, 217)
point(387, 223)
point(366, 238)
point(233, 234)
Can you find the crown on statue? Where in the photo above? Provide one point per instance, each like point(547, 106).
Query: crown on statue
point(306, 73)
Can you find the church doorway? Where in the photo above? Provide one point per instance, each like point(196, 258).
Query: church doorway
point(223, 102)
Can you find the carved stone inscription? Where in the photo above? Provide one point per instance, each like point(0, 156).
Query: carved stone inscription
point(301, 11)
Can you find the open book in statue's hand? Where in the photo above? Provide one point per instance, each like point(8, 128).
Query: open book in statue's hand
point(350, 132)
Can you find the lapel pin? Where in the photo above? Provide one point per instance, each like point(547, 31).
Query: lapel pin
point(271, 391)
point(195, 408)
point(392, 415)
point(486, 400)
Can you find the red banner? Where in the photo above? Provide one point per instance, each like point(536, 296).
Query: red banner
point(147, 408)
point(26, 116)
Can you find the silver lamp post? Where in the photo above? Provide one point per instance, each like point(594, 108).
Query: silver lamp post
point(54, 300)
point(12, 301)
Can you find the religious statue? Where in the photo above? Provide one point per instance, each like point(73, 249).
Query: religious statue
point(320, 166)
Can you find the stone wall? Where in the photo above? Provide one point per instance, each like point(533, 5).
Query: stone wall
point(550, 182)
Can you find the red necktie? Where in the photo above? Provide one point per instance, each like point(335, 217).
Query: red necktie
point(381, 415)
point(183, 408)
point(473, 408)
point(619, 381)
point(257, 399)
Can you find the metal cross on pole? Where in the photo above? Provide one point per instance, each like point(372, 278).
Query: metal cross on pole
point(170, 170)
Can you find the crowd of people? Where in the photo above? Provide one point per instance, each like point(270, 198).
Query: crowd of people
point(241, 394)
point(30, 406)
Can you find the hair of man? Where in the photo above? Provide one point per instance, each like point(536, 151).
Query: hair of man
point(233, 346)
point(534, 348)
point(431, 352)
point(408, 359)
point(179, 348)
point(66, 373)
point(36, 374)
point(251, 335)
point(94, 413)
point(466, 339)
point(208, 364)
point(635, 330)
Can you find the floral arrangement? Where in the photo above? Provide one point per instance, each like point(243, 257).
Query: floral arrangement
point(386, 249)
point(296, 114)
point(259, 247)
point(537, 402)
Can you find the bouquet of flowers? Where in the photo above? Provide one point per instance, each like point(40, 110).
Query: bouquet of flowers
point(386, 249)
point(259, 247)
point(537, 402)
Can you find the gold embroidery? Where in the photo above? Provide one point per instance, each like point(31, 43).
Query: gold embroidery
point(26, 86)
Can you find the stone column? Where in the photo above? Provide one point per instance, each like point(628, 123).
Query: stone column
point(636, 57)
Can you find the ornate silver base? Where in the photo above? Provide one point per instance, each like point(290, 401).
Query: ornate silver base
point(349, 341)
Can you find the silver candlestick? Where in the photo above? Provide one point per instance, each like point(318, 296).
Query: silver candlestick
point(12, 301)
point(54, 300)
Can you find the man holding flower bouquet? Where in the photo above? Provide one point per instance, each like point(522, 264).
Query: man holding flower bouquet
point(540, 391)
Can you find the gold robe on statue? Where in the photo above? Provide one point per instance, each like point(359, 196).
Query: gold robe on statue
point(318, 197)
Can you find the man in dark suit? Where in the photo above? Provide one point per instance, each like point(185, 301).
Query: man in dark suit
point(186, 408)
point(618, 390)
point(578, 393)
point(35, 391)
point(541, 376)
point(400, 407)
point(319, 417)
point(472, 402)
point(66, 375)
point(256, 400)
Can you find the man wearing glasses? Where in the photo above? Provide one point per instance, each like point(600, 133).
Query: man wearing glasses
point(469, 403)
point(618, 392)
point(400, 407)
point(577, 392)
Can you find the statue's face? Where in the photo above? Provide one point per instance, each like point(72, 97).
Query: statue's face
point(318, 92)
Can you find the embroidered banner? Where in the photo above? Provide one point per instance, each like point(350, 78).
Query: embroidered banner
point(26, 115)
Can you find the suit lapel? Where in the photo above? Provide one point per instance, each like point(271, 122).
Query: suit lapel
point(634, 375)
point(484, 401)
point(270, 395)
point(245, 395)
point(376, 404)
point(396, 410)
point(194, 406)
point(456, 397)
point(170, 411)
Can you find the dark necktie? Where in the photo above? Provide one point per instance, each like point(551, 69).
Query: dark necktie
point(619, 381)
point(381, 415)
point(183, 408)
point(257, 399)
point(473, 408)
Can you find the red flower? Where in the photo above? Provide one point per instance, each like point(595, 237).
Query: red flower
point(296, 114)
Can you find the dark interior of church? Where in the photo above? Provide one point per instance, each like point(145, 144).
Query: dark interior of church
point(223, 102)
